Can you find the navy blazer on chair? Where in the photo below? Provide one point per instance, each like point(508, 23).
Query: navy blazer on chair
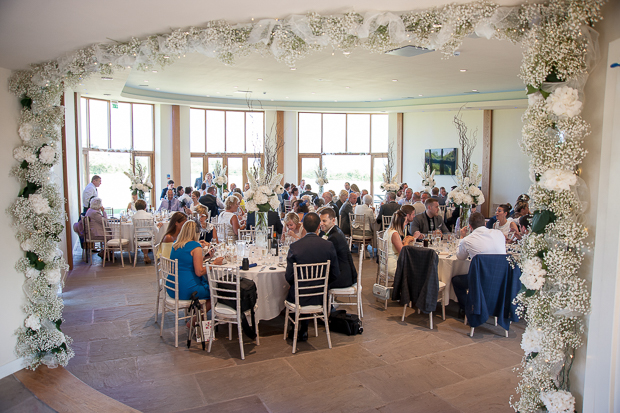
point(310, 249)
point(493, 285)
point(348, 272)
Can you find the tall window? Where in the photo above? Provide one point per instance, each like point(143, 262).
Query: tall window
point(116, 136)
point(353, 148)
point(233, 138)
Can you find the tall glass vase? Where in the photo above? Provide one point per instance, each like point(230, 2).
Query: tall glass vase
point(464, 217)
point(262, 230)
point(219, 192)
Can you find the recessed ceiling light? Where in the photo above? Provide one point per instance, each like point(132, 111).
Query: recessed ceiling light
point(217, 93)
point(394, 80)
point(420, 95)
point(313, 93)
point(287, 97)
point(157, 88)
point(474, 90)
point(293, 68)
point(272, 100)
point(208, 96)
point(154, 71)
point(259, 79)
point(463, 70)
point(335, 101)
point(379, 98)
point(235, 87)
point(347, 87)
point(146, 81)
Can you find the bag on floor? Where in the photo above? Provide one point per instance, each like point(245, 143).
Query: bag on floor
point(382, 292)
point(341, 322)
point(248, 297)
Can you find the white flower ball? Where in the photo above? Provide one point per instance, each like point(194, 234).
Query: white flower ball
point(53, 276)
point(33, 322)
point(39, 204)
point(533, 274)
point(141, 187)
point(25, 132)
point(559, 401)
point(564, 102)
point(260, 198)
point(534, 98)
point(531, 340)
point(251, 206)
point(47, 155)
point(557, 180)
point(279, 190)
point(274, 202)
point(264, 189)
point(32, 273)
point(26, 245)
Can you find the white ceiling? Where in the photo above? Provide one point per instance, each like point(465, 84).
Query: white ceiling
point(34, 31)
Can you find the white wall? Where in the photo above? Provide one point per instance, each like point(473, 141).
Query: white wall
point(72, 169)
point(434, 130)
point(290, 147)
point(12, 295)
point(186, 166)
point(163, 148)
point(509, 166)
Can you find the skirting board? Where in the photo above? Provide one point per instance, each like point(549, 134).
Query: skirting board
point(12, 367)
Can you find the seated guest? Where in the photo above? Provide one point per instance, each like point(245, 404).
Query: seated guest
point(505, 225)
point(522, 198)
point(207, 232)
point(174, 227)
point(186, 197)
point(525, 222)
point(408, 198)
point(368, 211)
point(522, 208)
point(424, 196)
point(285, 194)
point(395, 236)
point(442, 195)
point(246, 187)
point(363, 193)
point(142, 214)
point(409, 211)
point(345, 210)
point(294, 194)
point(232, 186)
point(307, 199)
point(429, 220)
point(203, 189)
point(273, 220)
point(170, 203)
point(347, 187)
point(132, 205)
point(165, 190)
point(300, 208)
point(331, 232)
point(418, 204)
point(328, 198)
point(230, 220)
point(451, 222)
point(331, 191)
point(195, 196)
point(294, 229)
point(308, 191)
point(318, 203)
point(481, 241)
point(388, 208)
point(493, 219)
point(190, 269)
point(342, 198)
point(210, 201)
point(355, 188)
point(311, 249)
point(237, 192)
point(96, 214)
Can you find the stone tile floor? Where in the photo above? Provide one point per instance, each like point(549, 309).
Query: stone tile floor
point(393, 366)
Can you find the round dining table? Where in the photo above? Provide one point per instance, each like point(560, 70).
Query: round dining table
point(448, 267)
point(271, 287)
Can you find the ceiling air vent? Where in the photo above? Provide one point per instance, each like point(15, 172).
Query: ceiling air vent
point(409, 51)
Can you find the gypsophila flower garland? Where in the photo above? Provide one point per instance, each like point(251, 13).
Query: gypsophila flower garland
point(558, 45)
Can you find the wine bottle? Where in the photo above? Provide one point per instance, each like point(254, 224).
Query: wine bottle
point(274, 245)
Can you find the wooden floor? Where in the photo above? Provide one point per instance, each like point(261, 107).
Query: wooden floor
point(393, 366)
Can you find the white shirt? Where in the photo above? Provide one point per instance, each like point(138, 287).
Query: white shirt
point(505, 229)
point(185, 198)
point(482, 241)
point(419, 207)
point(405, 201)
point(89, 192)
point(368, 213)
point(142, 214)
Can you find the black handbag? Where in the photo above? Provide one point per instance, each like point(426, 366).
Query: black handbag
point(341, 322)
point(248, 298)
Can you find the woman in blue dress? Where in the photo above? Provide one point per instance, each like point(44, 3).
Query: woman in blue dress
point(190, 269)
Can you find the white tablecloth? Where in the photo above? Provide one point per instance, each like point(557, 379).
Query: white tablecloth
point(272, 288)
point(448, 268)
point(127, 232)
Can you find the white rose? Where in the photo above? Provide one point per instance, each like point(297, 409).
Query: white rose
point(264, 189)
point(25, 132)
point(533, 274)
point(32, 273)
point(141, 187)
point(47, 155)
point(251, 206)
point(558, 401)
point(564, 102)
point(26, 245)
point(53, 276)
point(134, 186)
point(39, 204)
point(33, 322)
point(260, 198)
point(557, 179)
point(248, 194)
point(531, 340)
point(534, 98)
point(274, 202)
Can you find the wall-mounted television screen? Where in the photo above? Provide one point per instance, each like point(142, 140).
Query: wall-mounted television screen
point(442, 161)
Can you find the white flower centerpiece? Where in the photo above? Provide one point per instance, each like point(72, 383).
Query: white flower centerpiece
point(321, 178)
point(219, 178)
point(466, 194)
point(139, 183)
point(428, 178)
point(261, 198)
point(390, 184)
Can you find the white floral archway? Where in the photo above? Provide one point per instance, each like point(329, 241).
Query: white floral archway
point(559, 47)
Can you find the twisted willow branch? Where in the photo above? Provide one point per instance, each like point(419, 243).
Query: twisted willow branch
point(557, 46)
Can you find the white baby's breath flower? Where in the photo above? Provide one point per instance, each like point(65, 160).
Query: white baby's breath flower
point(26, 245)
point(534, 98)
point(32, 273)
point(25, 132)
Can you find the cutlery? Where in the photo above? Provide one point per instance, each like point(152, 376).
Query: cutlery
point(264, 266)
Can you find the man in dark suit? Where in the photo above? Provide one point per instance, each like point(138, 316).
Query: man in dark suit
point(309, 192)
point(333, 234)
point(273, 219)
point(346, 209)
point(329, 202)
point(388, 208)
point(310, 249)
point(210, 201)
point(164, 191)
point(430, 220)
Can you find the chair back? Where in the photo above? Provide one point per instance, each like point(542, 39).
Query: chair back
point(112, 229)
point(169, 272)
point(382, 251)
point(359, 226)
point(143, 229)
point(222, 282)
point(416, 278)
point(442, 211)
point(253, 228)
point(380, 234)
point(287, 206)
point(87, 233)
point(311, 281)
point(220, 230)
point(493, 285)
point(109, 211)
point(244, 233)
point(387, 220)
